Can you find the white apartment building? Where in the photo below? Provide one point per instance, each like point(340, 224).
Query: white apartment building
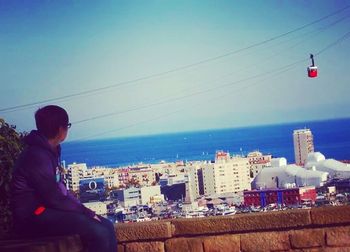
point(148, 193)
point(194, 173)
point(257, 162)
point(172, 179)
point(168, 168)
point(143, 176)
point(226, 175)
point(303, 145)
point(74, 173)
point(112, 180)
point(134, 196)
point(129, 197)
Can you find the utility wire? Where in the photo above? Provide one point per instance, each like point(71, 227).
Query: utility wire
point(171, 99)
point(10, 109)
point(285, 69)
point(275, 71)
point(191, 94)
point(338, 41)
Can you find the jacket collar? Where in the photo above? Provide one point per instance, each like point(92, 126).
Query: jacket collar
point(35, 138)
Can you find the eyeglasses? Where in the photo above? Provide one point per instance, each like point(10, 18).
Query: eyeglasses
point(69, 125)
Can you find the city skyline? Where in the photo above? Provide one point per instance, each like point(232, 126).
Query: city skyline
point(173, 66)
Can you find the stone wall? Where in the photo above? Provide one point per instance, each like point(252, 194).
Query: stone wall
point(317, 229)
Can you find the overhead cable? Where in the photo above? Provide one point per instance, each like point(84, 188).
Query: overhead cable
point(124, 83)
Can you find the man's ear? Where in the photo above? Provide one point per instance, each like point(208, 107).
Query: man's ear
point(62, 133)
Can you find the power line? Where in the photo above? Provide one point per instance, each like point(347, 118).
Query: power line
point(338, 41)
point(275, 72)
point(282, 70)
point(173, 99)
point(189, 95)
point(14, 108)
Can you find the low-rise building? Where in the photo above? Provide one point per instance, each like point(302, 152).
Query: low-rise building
point(142, 176)
point(171, 179)
point(92, 189)
point(290, 196)
point(149, 192)
point(112, 180)
point(257, 162)
point(134, 195)
point(285, 176)
point(129, 196)
point(98, 207)
point(335, 169)
point(174, 192)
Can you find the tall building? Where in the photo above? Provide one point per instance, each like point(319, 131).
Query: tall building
point(74, 173)
point(195, 178)
point(303, 145)
point(226, 175)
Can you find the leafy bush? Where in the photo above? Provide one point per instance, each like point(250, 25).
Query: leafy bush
point(10, 147)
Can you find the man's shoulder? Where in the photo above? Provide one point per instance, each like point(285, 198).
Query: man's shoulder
point(35, 153)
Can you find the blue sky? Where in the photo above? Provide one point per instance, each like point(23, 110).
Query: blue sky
point(51, 49)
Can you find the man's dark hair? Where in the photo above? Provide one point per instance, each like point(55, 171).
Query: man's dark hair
point(49, 119)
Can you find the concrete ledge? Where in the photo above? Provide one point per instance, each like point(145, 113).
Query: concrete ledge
point(243, 223)
point(308, 239)
point(237, 224)
point(319, 229)
point(143, 231)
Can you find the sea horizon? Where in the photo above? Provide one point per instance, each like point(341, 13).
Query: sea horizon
point(274, 139)
point(204, 130)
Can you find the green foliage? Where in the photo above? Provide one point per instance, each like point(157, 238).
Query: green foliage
point(10, 147)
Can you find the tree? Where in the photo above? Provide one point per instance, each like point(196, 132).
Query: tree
point(10, 147)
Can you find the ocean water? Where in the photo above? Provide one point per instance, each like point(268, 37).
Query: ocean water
point(331, 137)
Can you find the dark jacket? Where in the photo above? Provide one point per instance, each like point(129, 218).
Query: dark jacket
point(36, 181)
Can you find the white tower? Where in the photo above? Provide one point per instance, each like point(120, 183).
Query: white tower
point(303, 145)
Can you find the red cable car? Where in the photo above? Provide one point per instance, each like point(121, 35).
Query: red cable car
point(312, 70)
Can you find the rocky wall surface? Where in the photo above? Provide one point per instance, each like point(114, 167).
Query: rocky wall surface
point(316, 229)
